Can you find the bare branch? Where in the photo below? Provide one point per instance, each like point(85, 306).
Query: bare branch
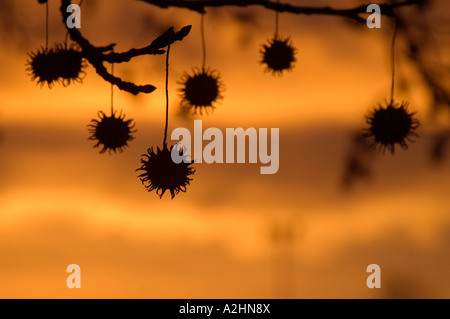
point(417, 52)
point(165, 39)
point(97, 56)
point(352, 13)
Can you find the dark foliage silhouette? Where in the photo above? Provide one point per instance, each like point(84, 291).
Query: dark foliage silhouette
point(391, 125)
point(426, 54)
point(357, 164)
point(440, 143)
point(112, 132)
point(160, 173)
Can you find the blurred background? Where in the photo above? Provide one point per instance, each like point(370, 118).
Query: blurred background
point(308, 231)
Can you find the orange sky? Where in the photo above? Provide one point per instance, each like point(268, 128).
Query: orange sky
point(61, 202)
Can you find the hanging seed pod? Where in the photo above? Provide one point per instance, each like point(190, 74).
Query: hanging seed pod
point(160, 173)
point(278, 55)
point(41, 67)
point(391, 125)
point(201, 90)
point(70, 63)
point(111, 132)
point(61, 64)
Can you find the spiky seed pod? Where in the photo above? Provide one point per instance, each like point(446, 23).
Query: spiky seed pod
point(278, 55)
point(71, 63)
point(59, 64)
point(160, 173)
point(41, 67)
point(201, 90)
point(391, 125)
point(111, 132)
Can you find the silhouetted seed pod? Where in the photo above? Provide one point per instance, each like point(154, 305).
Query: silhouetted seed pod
point(201, 90)
point(391, 125)
point(278, 55)
point(41, 66)
point(160, 173)
point(60, 64)
point(71, 63)
point(111, 132)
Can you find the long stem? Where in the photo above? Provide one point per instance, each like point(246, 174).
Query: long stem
point(46, 25)
point(167, 95)
point(66, 38)
point(352, 13)
point(112, 91)
point(202, 30)
point(276, 19)
point(393, 60)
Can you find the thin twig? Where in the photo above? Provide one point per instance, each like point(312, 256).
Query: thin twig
point(276, 20)
point(202, 30)
point(46, 25)
point(393, 60)
point(97, 56)
point(112, 91)
point(417, 53)
point(352, 13)
point(167, 95)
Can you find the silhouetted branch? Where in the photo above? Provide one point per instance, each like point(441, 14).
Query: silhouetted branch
point(358, 161)
point(97, 55)
point(165, 39)
point(353, 13)
point(417, 42)
point(440, 143)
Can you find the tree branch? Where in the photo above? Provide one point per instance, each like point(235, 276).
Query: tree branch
point(97, 56)
point(352, 13)
point(416, 46)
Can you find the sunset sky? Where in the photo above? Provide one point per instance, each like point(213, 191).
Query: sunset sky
point(61, 202)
